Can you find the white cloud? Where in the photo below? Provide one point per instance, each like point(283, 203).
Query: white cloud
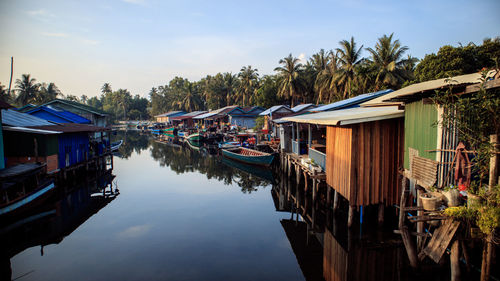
point(302, 58)
point(51, 34)
point(134, 231)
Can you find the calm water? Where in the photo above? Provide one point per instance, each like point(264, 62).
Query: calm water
point(180, 214)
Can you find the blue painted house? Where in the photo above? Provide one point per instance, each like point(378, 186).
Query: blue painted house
point(244, 117)
point(57, 115)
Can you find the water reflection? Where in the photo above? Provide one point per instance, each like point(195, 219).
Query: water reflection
point(55, 220)
point(326, 249)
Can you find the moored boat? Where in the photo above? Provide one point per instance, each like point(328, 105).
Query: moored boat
point(196, 137)
point(116, 145)
point(21, 186)
point(248, 156)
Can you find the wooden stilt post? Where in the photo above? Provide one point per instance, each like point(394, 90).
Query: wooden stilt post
point(455, 261)
point(335, 200)
point(405, 234)
point(315, 184)
point(350, 216)
point(297, 173)
point(328, 196)
point(420, 225)
point(486, 264)
point(306, 182)
point(381, 208)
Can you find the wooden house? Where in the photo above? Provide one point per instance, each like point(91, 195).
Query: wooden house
point(3, 105)
point(244, 116)
point(97, 117)
point(186, 120)
point(429, 147)
point(29, 139)
point(273, 113)
point(215, 117)
point(167, 116)
point(364, 149)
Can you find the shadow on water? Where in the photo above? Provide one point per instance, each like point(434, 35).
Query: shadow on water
point(49, 224)
point(326, 249)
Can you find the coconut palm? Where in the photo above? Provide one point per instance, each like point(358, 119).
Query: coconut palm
point(27, 89)
point(291, 85)
point(326, 81)
point(47, 93)
point(230, 84)
point(248, 77)
point(349, 56)
point(319, 61)
point(387, 61)
point(191, 101)
point(106, 88)
point(4, 96)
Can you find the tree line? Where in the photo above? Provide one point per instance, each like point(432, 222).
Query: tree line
point(325, 77)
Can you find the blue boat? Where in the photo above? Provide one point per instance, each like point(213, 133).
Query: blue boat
point(249, 156)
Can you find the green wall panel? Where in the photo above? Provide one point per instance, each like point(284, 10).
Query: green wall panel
point(420, 130)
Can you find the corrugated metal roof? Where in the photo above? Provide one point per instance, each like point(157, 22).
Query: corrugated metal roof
point(78, 105)
point(301, 107)
point(427, 86)
point(351, 102)
point(18, 119)
point(72, 128)
point(348, 116)
point(66, 115)
point(215, 112)
point(170, 113)
point(275, 108)
point(188, 115)
point(29, 130)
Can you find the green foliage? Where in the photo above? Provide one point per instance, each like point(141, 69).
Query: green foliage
point(462, 213)
point(452, 61)
point(476, 116)
point(259, 123)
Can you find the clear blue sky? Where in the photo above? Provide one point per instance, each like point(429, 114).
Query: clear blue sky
point(138, 44)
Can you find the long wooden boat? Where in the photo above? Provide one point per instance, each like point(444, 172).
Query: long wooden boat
point(196, 137)
point(170, 131)
point(248, 156)
point(21, 187)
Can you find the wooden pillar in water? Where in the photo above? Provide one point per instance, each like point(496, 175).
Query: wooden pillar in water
point(306, 182)
point(335, 200)
point(381, 213)
point(420, 225)
point(350, 216)
point(297, 174)
point(455, 261)
point(405, 233)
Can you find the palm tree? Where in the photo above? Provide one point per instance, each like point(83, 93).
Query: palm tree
point(291, 85)
point(4, 96)
point(349, 57)
point(27, 89)
point(106, 88)
point(47, 93)
point(191, 101)
point(325, 84)
point(387, 60)
point(230, 84)
point(319, 61)
point(248, 83)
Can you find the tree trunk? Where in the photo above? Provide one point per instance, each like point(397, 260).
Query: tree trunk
point(493, 162)
point(11, 71)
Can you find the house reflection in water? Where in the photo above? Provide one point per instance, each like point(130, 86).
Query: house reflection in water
point(326, 249)
point(56, 219)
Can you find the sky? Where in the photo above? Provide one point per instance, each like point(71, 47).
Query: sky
point(140, 44)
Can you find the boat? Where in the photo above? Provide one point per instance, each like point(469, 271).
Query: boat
point(172, 131)
point(196, 137)
point(249, 156)
point(22, 188)
point(116, 145)
point(229, 144)
point(261, 172)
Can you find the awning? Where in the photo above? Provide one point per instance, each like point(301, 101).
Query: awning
point(348, 116)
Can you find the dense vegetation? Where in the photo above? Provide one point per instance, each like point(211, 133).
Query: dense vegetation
point(327, 76)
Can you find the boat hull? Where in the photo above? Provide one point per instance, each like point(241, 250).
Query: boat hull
point(264, 160)
point(29, 200)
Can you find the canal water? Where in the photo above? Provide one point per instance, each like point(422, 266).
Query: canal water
point(180, 213)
